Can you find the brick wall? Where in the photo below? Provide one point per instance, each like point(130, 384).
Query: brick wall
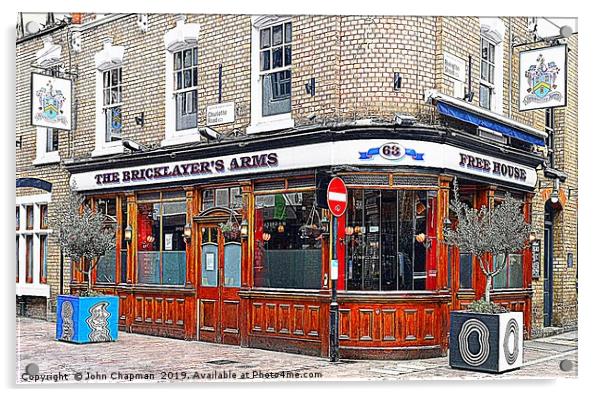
point(352, 58)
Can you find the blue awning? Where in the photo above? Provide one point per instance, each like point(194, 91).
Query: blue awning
point(480, 121)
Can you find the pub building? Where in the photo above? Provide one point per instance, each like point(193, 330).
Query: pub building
point(224, 242)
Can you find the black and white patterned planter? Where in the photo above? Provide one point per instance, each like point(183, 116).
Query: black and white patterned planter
point(486, 342)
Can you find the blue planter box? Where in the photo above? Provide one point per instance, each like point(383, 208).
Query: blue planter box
point(87, 319)
point(486, 342)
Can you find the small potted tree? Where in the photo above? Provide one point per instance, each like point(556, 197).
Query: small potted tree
point(486, 337)
point(85, 236)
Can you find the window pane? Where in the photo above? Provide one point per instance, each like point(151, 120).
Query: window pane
point(491, 74)
point(208, 197)
point(209, 266)
point(276, 93)
point(235, 198)
point(119, 75)
point(177, 60)
point(18, 217)
point(107, 96)
point(515, 271)
point(355, 244)
point(264, 60)
point(29, 259)
point(124, 224)
point(195, 56)
point(105, 79)
point(287, 55)
point(466, 271)
point(52, 140)
point(221, 197)
point(484, 71)
point(388, 220)
point(187, 78)
point(491, 53)
point(195, 77)
point(288, 32)
point(288, 250)
point(43, 258)
point(277, 57)
point(148, 242)
point(501, 280)
point(43, 216)
point(187, 58)
point(114, 77)
point(17, 258)
point(371, 266)
point(421, 211)
point(105, 270)
point(29, 214)
point(178, 80)
point(115, 95)
point(277, 35)
point(232, 258)
point(265, 38)
point(485, 97)
point(174, 246)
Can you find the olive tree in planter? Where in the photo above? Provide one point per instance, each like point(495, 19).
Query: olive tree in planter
point(486, 337)
point(85, 236)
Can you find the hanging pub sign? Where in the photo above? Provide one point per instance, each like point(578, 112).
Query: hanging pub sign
point(542, 78)
point(50, 101)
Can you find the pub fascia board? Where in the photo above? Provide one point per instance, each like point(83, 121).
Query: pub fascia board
point(436, 155)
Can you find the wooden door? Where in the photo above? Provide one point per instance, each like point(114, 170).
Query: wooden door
point(219, 303)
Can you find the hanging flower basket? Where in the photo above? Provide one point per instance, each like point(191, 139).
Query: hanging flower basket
point(231, 229)
point(311, 229)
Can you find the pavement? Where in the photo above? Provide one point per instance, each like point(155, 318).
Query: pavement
point(146, 359)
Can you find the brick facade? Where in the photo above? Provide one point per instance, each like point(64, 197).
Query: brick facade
point(353, 60)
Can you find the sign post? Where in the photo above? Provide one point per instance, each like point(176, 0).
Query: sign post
point(337, 204)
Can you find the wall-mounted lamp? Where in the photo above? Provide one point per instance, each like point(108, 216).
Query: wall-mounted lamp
point(554, 195)
point(310, 87)
point(187, 232)
point(422, 239)
point(128, 234)
point(266, 237)
point(140, 119)
point(447, 223)
point(244, 229)
point(281, 228)
point(532, 237)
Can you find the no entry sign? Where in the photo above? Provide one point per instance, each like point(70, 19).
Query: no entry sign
point(337, 196)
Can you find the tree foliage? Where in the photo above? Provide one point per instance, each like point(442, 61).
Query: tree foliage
point(488, 232)
point(84, 234)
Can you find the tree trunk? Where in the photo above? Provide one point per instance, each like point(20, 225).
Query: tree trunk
point(488, 288)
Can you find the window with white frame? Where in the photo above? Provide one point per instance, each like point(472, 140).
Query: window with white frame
point(271, 46)
point(111, 103)
point(185, 80)
point(109, 99)
point(32, 234)
point(181, 79)
point(47, 146)
point(491, 86)
point(487, 72)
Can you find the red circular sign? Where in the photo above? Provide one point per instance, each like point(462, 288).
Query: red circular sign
point(336, 195)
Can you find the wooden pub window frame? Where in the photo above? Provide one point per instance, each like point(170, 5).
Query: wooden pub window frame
point(119, 198)
point(135, 235)
point(325, 246)
point(390, 186)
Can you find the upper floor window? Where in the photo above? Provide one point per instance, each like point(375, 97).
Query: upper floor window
point(491, 86)
point(109, 99)
point(181, 83)
point(47, 145)
point(275, 68)
point(185, 80)
point(487, 72)
point(111, 103)
point(271, 47)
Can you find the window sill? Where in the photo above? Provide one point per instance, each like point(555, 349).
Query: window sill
point(49, 158)
point(272, 123)
point(28, 289)
point(181, 137)
point(108, 150)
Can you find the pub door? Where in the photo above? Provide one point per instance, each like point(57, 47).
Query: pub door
point(219, 302)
